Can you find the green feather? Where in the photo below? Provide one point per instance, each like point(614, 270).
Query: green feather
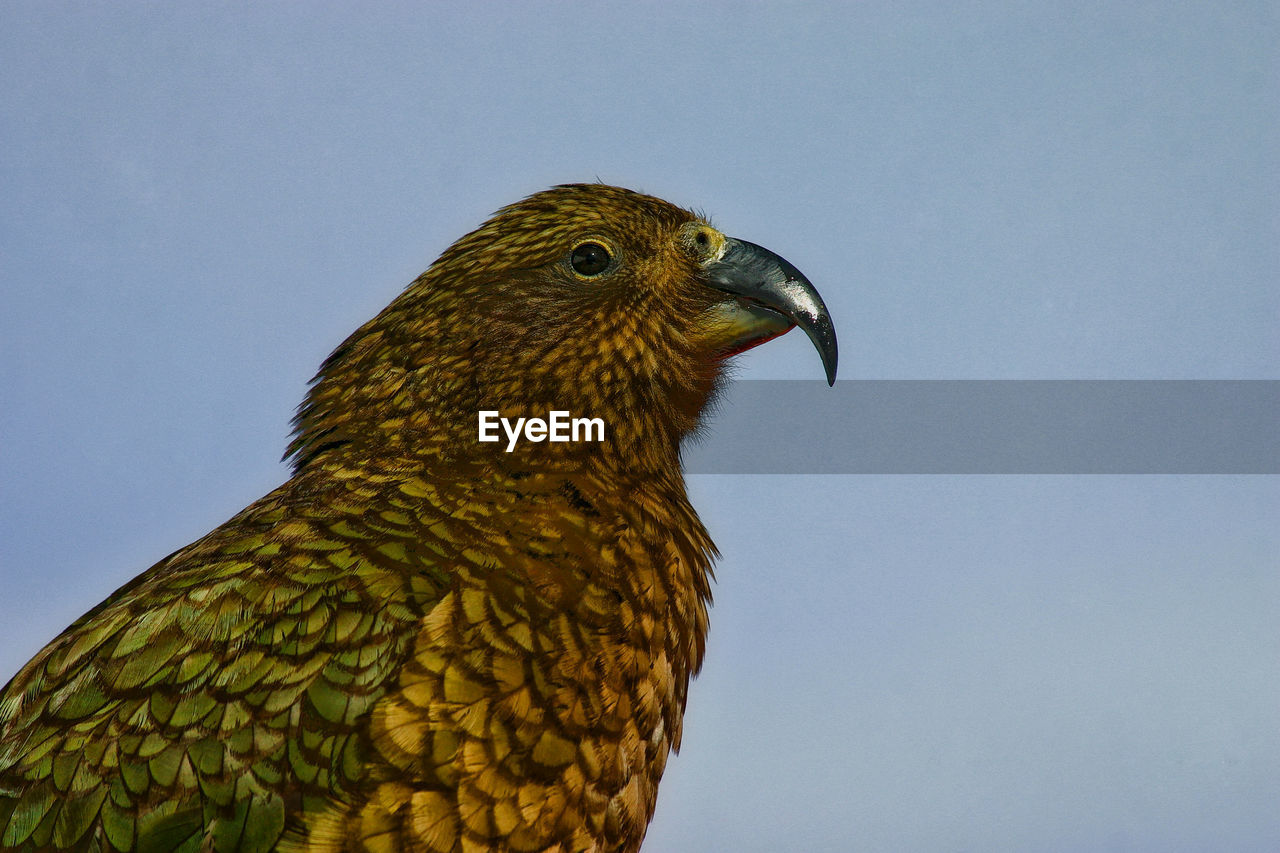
point(118, 825)
point(75, 816)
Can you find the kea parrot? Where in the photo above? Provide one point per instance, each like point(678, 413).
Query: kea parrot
point(423, 641)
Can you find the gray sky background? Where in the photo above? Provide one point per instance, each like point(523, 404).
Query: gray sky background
point(198, 202)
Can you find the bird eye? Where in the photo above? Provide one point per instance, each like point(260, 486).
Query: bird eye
point(589, 259)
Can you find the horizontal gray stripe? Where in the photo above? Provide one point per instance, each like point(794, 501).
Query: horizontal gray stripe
point(992, 427)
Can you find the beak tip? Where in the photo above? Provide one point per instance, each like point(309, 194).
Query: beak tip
point(823, 336)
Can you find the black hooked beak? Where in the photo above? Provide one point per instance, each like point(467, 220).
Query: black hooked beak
point(772, 296)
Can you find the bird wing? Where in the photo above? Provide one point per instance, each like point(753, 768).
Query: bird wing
point(221, 688)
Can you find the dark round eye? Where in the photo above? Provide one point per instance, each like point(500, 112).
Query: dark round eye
point(589, 259)
point(702, 239)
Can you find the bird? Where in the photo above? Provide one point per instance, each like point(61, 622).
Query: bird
point(425, 641)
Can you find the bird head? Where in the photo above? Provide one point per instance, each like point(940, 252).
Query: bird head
point(584, 298)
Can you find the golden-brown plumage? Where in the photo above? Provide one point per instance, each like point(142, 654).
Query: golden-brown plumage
point(422, 641)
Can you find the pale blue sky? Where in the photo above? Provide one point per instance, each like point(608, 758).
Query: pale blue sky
point(197, 203)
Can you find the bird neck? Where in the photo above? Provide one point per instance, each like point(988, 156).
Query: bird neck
point(620, 551)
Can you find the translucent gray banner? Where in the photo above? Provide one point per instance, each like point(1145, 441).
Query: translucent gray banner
point(992, 427)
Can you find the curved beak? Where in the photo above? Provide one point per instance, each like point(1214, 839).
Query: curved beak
point(771, 296)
